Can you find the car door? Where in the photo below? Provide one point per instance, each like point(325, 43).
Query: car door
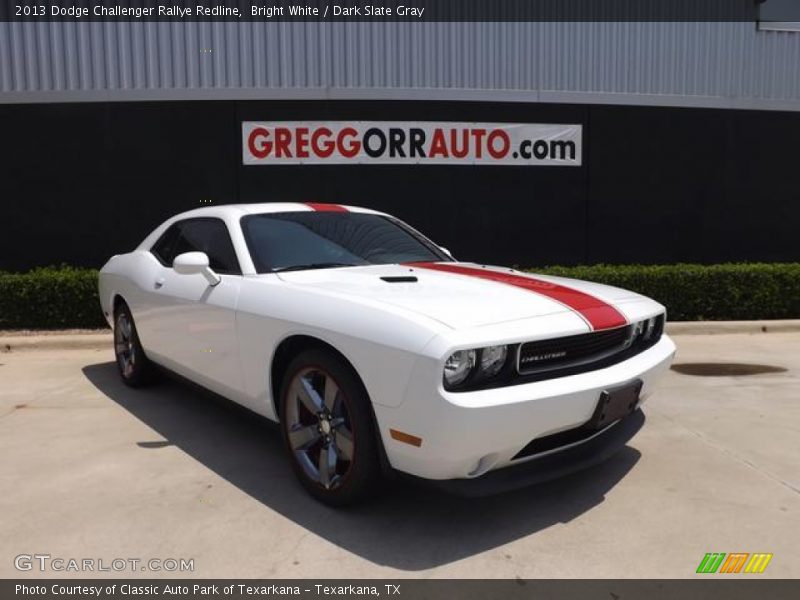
point(191, 324)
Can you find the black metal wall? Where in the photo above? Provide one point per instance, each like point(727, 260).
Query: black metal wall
point(658, 185)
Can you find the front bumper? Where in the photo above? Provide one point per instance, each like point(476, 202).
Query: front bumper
point(547, 467)
point(471, 435)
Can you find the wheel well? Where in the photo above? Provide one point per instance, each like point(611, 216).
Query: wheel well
point(117, 302)
point(287, 350)
point(294, 345)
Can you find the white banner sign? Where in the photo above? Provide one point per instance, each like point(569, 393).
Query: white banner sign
point(408, 143)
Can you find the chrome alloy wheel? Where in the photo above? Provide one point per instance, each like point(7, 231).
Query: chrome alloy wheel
point(124, 345)
point(318, 427)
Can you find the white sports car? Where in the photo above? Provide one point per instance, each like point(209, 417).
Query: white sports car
point(378, 352)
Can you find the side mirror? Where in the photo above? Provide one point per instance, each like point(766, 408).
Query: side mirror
point(446, 251)
point(194, 263)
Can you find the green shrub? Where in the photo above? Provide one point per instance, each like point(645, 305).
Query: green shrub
point(705, 292)
point(50, 298)
point(66, 297)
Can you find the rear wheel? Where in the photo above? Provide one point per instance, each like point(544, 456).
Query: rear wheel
point(134, 367)
point(327, 426)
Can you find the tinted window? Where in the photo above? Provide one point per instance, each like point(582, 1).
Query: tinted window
point(281, 241)
point(199, 235)
point(164, 248)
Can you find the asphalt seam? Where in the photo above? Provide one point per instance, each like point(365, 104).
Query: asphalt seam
point(709, 442)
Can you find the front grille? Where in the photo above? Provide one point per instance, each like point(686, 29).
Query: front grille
point(570, 355)
point(559, 353)
point(558, 440)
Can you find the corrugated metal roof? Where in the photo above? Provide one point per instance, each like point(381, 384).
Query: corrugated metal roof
point(701, 63)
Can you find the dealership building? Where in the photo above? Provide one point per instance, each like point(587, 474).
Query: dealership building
point(520, 143)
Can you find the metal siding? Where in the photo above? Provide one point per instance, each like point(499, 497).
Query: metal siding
point(715, 62)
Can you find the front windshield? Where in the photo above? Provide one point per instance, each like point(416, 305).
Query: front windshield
point(315, 240)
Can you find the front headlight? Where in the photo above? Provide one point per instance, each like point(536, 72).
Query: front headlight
point(492, 360)
point(458, 366)
point(485, 363)
point(649, 328)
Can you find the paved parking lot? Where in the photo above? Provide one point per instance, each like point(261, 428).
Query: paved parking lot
point(92, 469)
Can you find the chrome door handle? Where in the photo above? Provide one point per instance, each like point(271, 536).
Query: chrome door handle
point(159, 283)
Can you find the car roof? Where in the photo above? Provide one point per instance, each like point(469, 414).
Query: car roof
point(239, 210)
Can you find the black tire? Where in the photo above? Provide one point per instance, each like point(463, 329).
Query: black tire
point(349, 435)
point(134, 367)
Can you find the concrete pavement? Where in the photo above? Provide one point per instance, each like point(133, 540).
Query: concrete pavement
point(92, 469)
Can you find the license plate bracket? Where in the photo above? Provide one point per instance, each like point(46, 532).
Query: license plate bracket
point(616, 403)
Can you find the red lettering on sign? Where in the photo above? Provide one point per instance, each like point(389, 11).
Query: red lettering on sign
point(353, 147)
point(478, 135)
point(301, 143)
point(283, 137)
point(504, 140)
point(323, 148)
point(454, 149)
point(438, 145)
point(258, 144)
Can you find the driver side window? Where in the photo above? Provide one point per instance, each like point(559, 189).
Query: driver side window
point(209, 235)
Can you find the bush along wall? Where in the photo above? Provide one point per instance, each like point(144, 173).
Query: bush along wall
point(66, 297)
point(727, 292)
point(50, 298)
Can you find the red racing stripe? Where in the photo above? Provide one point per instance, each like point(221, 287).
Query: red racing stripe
point(320, 207)
point(597, 313)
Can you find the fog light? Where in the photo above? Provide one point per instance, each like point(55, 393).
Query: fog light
point(483, 465)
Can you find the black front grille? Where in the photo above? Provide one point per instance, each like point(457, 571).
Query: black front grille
point(570, 355)
point(558, 353)
point(559, 440)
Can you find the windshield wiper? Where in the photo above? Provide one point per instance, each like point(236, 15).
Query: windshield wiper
point(324, 265)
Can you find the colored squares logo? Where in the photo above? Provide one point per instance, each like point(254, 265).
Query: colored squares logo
point(735, 562)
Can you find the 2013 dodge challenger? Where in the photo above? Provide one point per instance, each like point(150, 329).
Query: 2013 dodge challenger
point(378, 352)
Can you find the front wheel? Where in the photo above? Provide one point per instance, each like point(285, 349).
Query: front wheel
point(326, 418)
point(134, 367)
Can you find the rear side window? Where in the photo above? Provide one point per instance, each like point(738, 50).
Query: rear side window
point(207, 235)
point(164, 248)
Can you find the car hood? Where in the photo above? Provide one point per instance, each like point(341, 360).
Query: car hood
point(457, 300)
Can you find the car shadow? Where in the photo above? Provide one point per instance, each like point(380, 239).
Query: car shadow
point(408, 527)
